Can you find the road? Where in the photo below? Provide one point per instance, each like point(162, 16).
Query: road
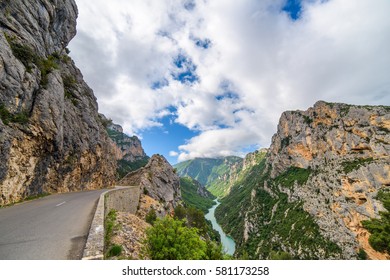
point(51, 228)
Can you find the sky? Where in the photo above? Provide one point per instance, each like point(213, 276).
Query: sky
point(210, 78)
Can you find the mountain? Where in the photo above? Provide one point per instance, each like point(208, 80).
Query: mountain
point(129, 153)
point(196, 195)
point(320, 192)
point(216, 174)
point(52, 138)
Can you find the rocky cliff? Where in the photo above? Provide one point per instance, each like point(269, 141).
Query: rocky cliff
point(321, 177)
point(129, 153)
point(51, 136)
point(158, 181)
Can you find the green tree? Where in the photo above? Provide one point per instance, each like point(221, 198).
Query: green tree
point(180, 212)
point(170, 239)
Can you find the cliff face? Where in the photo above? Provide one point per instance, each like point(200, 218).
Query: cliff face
point(158, 181)
point(51, 136)
point(129, 153)
point(321, 177)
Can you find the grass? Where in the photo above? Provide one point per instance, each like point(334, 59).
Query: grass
point(110, 225)
point(115, 251)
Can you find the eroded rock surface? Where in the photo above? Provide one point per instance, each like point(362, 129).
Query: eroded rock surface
point(52, 138)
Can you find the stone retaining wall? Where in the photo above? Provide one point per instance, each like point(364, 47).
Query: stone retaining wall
point(124, 199)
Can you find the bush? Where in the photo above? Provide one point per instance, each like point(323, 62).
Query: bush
point(151, 217)
point(170, 239)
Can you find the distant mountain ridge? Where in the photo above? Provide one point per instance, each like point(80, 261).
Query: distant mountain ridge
point(216, 174)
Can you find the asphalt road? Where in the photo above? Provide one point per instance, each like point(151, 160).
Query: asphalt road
point(51, 228)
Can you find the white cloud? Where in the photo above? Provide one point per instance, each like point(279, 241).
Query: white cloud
point(337, 51)
point(173, 154)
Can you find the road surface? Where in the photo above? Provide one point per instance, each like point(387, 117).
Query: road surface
point(51, 228)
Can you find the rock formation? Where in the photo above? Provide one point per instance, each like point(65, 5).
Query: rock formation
point(51, 136)
point(320, 177)
point(128, 151)
point(157, 180)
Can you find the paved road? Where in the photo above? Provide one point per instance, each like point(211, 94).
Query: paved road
point(55, 227)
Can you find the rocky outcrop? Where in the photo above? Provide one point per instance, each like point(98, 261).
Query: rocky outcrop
point(51, 136)
point(157, 180)
point(329, 131)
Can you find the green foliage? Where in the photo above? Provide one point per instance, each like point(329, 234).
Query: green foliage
point(46, 66)
point(280, 256)
point(23, 53)
point(109, 226)
point(380, 228)
point(362, 255)
point(213, 173)
point(7, 117)
point(69, 83)
point(287, 179)
point(307, 119)
point(191, 197)
point(180, 212)
point(115, 251)
point(170, 239)
point(349, 166)
point(28, 57)
point(124, 166)
point(151, 217)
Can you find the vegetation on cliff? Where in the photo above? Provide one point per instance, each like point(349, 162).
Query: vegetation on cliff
point(380, 228)
point(215, 174)
point(191, 196)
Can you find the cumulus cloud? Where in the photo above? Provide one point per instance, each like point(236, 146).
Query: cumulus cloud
point(228, 69)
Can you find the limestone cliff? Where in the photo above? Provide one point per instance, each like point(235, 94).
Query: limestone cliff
point(319, 180)
point(158, 180)
point(129, 153)
point(51, 136)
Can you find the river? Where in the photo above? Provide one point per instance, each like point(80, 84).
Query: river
point(228, 243)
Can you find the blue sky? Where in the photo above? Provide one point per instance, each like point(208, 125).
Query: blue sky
point(195, 78)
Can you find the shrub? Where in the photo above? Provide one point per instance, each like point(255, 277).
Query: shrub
point(170, 239)
point(151, 217)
